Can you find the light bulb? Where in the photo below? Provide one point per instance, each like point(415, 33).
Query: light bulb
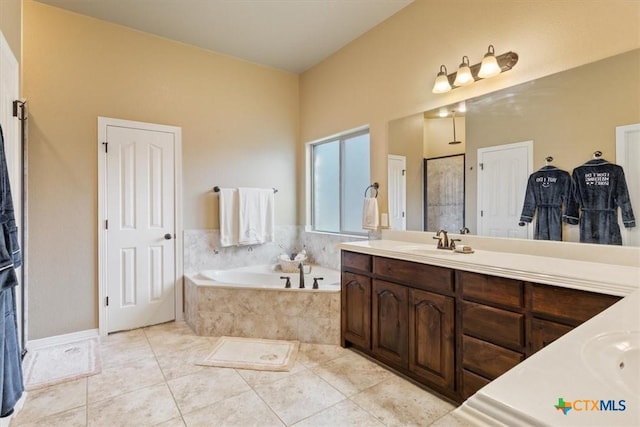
point(489, 66)
point(442, 84)
point(464, 76)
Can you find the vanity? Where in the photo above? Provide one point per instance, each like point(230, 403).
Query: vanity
point(455, 322)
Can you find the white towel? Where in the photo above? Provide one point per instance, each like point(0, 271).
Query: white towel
point(228, 217)
point(256, 222)
point(370, 214)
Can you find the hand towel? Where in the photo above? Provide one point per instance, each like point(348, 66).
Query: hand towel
point(370, 214)
point(228, 217)
point(256, 221)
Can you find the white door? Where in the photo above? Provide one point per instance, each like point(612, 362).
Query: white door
point(9, 92)
point(628, 156)
point(397, 167)
point(140, 226)
point(503, 171)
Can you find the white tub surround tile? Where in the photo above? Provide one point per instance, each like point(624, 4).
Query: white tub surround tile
point(202, 249)
point(303, 315)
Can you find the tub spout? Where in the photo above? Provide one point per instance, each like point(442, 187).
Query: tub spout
point(301, 268)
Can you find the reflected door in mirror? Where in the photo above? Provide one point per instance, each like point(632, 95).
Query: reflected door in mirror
point(502, 180)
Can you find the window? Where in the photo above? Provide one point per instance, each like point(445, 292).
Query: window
point(339, 174)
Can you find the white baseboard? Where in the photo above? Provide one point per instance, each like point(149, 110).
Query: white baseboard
point(62, 339)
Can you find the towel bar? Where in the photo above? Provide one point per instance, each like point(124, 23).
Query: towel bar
point(216, 189)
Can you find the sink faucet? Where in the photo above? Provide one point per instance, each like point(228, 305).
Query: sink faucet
point(443, 239)
point(301, 268)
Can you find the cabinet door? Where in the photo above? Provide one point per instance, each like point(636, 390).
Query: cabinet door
point(390, 322)
point(544, 333)
point(431, 337)
point(356, 310)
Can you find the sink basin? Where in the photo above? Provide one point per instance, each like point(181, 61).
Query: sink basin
point(614, 357)
point(433, 251)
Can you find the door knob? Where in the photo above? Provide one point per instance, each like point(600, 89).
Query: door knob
point(167, 236)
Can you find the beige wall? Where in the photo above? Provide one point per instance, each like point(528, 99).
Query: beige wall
point(239, 128)
point(389, 72)
point(405, 139)
point(11, 25)
point(439, 132)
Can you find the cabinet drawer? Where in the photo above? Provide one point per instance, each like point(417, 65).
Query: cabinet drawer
point(493, 324)
point(487, 359)
point(356, 261)
point(569, 305)
point(544, 333)
point(491, 289)
point(472, 383)
point(421, 276)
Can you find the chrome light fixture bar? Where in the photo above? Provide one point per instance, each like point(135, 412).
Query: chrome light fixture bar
point(483, 70)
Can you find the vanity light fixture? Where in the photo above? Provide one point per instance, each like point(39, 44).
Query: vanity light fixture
point(442, 84)
point(463, 76)
point(490, 66)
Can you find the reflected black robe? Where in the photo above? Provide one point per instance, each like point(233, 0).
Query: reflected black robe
point(547, 191)
point(598, 189)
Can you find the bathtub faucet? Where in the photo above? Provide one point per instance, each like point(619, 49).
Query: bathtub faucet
point(301, 268)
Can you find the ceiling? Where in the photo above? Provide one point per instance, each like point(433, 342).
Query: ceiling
point(290, 35)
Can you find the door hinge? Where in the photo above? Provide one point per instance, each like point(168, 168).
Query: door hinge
point(481, 213)
point(106, 147)
point(106, 300)
point(404, 171)
point(106, 224)
point(481, 166)
point(402, 214)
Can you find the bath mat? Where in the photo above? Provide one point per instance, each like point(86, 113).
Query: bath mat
point(55, 364)
point(253, 353)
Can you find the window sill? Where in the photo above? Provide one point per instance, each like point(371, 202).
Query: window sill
point(308, 229)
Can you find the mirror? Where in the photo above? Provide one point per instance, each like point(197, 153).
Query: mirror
point(568, 116)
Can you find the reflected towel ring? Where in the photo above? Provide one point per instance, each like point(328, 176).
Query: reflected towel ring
point(375, 186)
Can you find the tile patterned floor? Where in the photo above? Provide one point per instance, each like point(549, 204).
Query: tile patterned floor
point(149, 378)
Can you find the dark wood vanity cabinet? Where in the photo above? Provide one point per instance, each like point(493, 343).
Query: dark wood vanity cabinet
point(451, 330)
point(412, 317)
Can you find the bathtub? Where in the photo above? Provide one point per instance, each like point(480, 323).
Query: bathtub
point(253, 302)
point(270, 277)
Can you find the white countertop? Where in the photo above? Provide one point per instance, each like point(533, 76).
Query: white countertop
point(589, 276)
point(528, 393)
